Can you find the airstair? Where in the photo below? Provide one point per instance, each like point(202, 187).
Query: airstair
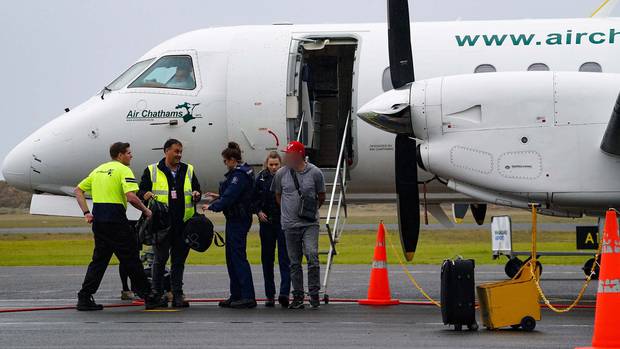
point(336, 218)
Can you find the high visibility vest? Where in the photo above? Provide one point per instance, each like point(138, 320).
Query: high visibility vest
point(161, 190)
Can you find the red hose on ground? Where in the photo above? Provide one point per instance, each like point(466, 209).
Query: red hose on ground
point(215, 300)
point(66, 307)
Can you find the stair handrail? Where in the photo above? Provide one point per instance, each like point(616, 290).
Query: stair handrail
point(339, 166)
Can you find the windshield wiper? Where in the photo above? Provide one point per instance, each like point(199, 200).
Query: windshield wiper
point(104, 90)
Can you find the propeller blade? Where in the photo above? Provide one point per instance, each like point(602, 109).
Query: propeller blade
point(479, 211)
point(407, 192)
point(399, 43)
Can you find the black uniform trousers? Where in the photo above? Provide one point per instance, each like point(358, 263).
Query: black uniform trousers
point(120, 240)
point(175, 248)
point(271, 234)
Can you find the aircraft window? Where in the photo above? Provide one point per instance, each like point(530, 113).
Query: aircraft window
point(174, 72)
point(386, 80)
point(485, 68)
point(538, 67)
point(129, 74)
point(591, 67)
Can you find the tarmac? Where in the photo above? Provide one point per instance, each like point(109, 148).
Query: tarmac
point(342, 325)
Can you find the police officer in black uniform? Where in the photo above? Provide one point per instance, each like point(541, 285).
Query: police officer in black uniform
point(235, 200)
point(271, 233)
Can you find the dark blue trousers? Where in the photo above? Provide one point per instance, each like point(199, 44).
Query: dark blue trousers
point(239, 272)
point(270, 236)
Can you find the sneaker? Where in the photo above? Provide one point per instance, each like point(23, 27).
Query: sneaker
point(225, 303)
point(284, 301)
point(270, 303)
point(315, 302)
point(243, 304)
point(298, 303)
point(127, 296)
point(87, 303)
point(178, 301)
point(155, 300)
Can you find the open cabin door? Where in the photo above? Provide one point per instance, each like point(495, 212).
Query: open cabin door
point(320, 95)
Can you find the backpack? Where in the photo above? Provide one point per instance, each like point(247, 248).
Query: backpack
point(199, 234)
point(154, 230)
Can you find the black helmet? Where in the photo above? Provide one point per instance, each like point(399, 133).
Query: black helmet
point(198, 233)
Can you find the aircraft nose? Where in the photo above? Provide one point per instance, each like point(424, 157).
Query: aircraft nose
point(16, 167)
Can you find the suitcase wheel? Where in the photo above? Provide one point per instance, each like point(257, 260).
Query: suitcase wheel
point(528, 323)
point(472, 327)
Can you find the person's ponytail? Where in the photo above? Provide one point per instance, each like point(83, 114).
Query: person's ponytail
point(232, 151)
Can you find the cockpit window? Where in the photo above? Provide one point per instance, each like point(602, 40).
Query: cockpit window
point(129, 74)
point(176, 72)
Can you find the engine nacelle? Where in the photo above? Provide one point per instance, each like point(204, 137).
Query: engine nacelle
point(522, 136)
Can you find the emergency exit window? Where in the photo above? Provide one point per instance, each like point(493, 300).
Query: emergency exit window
point(174, 72)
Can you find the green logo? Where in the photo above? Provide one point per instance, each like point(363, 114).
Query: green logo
point(189, 111)
point(183, 111)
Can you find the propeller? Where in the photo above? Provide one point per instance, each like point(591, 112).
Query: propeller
point(405, 154)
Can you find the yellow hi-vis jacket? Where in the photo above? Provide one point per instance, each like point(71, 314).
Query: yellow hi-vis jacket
point(161, 190)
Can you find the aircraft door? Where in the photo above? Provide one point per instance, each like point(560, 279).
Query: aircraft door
point(320, 95)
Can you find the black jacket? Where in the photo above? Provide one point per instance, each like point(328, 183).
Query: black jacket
point(264, 199)
point(177, 207)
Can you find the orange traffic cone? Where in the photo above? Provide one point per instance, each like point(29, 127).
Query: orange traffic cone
point(606, 334)
point(379, 285)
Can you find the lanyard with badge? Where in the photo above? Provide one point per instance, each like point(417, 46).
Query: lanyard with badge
point(173, 191)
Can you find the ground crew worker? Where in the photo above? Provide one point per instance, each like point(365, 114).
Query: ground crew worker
point(112, 185)
point(271, 232)
point(293, 184)
point(235, 199)
point(172, 183)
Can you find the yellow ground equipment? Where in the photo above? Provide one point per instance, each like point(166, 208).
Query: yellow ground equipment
point(513, 302)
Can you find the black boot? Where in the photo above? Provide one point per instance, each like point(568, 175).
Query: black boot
point(178, 300)
point(270, 303)
point(155, 300)
point(225, 303)
point(284, 301)
point(243, 304)
point(87, 303)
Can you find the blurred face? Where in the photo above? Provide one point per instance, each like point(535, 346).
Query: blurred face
point(273, 165)
point(293, 159)
point(125, 158)
point(174, 154)
point(230, 163)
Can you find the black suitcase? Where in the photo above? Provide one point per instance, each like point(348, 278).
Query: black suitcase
point(458, 294)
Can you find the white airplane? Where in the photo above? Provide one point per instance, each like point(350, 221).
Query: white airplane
point(530, 131)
